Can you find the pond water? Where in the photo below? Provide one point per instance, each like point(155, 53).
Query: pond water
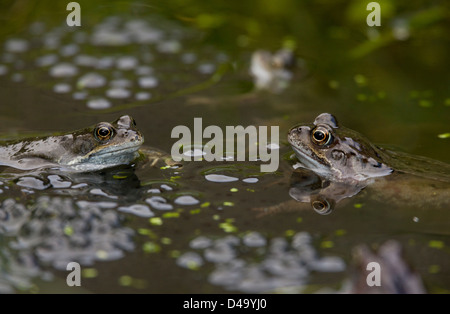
point(223, 226)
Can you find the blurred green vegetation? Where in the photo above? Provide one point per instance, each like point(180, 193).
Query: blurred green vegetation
point(403, 62)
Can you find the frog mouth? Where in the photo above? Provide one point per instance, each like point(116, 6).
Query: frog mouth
point(116, 150)
point(307, 157)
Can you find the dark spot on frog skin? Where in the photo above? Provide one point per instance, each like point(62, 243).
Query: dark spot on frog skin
point(378, 165)
point(337, 154)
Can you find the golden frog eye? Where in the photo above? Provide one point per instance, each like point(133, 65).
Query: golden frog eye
point(321, 136)
point(321, 206)
point(103, 133)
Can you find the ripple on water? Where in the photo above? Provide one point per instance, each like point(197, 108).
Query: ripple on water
point(32, 183)
point(58, 182)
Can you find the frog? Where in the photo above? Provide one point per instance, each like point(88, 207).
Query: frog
point(343, 155)
point(272, 72)
point(333, 164)
point(104, 145)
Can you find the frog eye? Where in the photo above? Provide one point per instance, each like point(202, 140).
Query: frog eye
point(103, 133)
point(322, 206)
point(321, 136)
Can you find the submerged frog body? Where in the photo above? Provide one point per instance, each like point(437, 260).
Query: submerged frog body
point(272, 71)
point(342, 155)
point(102, 146)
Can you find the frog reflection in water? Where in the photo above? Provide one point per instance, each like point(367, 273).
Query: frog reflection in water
point(103, 146)
point(336, 163)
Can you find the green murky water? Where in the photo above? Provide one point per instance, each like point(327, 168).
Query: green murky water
point(155, 230)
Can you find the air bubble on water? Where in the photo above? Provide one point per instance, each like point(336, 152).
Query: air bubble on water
point(37, 28)
point(169, 46)
point(143, 70)
point(190, 260)
point(120, 83)
point(138, 210)
point(16, 45)
point(186, 200)
point(98, 103)
point(69, 50)
point(254, 239)
point(118, 93)
point(105, 62)
point(194, 152)
point(85, 60)
point(201, 242)
point(143, 96)
point(188, 58)
point(148, 82)
point(51, 41)
point(63, 70)
point(47, 60)
point(91, 80)
point(3, 69)
point(166, 187)
point(206, 68)
point(220, 178)
point(62, 88)
point(17, 77)
point(126, 63)
point(79, 95)
point(158, 203)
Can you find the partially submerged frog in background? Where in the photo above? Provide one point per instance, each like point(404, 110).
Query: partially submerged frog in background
point(336, 163)
point(95, 148)
point(272, 71)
